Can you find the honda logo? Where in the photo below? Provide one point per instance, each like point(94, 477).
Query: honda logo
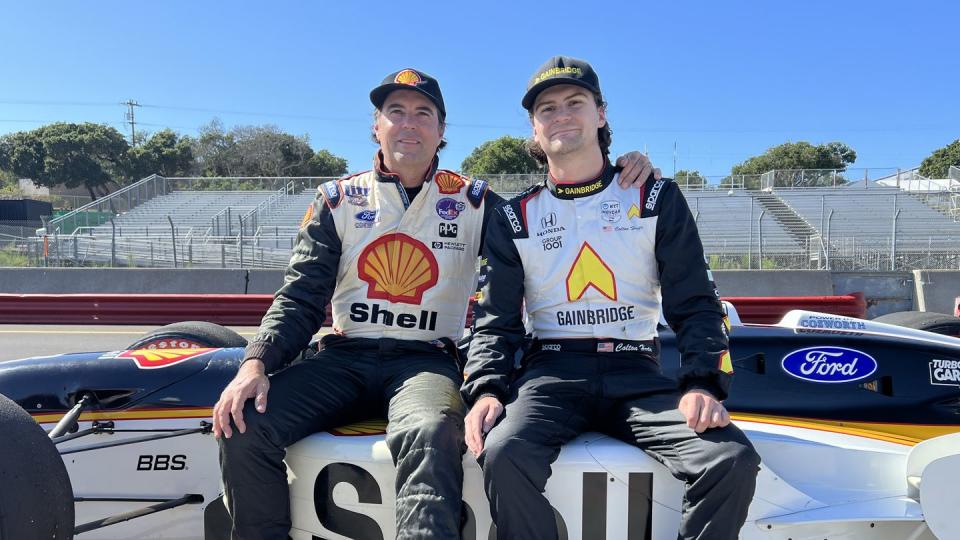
point(549, 221)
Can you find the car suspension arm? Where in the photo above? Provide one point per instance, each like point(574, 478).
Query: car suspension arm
point(164, 504)
point(70, 419)
point(205, 427)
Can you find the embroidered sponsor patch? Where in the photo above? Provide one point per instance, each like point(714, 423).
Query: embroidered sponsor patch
point(449, 209)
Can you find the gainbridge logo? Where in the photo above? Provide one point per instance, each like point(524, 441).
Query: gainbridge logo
point(161, 358)
point(398, 268)
point(589, 270)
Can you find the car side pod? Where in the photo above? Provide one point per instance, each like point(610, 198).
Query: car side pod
point(933, 474)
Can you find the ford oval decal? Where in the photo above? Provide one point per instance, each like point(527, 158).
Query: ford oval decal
point(829, 364)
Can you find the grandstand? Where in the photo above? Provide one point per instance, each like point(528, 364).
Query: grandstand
point(848, 226)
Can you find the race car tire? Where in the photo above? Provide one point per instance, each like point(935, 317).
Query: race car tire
point(938, 323)
point(36, 498)
point(189, 334)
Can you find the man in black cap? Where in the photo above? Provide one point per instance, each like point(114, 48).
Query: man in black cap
point(394, 251)
point(590, 261)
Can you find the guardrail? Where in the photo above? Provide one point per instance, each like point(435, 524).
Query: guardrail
point(248, 309)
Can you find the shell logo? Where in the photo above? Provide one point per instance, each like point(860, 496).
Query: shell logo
point(408, 76)
point(161, 358)
point(398, 268)
point(449, 183)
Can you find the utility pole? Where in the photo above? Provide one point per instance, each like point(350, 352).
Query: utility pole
point(131, 120)
point(674, 159)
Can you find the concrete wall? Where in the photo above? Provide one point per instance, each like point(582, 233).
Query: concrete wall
point(138, 280)
point(773, 282)
point(936, 290)
point(885, 292)
point(929, 290)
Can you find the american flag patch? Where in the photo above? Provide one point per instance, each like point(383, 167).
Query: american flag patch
point(605, 347)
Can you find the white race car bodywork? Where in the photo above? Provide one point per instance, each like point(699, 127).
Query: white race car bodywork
point(819, 479)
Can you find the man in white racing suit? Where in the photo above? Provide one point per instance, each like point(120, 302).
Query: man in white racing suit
point(593, 264)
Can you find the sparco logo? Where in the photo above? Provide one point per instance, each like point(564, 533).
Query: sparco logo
point(549, 221)
point(829, 364)
point(478, 187)
point(945, 372)
point(512, 218)
point(550, 347)
point(654, 194)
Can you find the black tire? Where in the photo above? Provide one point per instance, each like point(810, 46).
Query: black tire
point(36, 498)
point(938, 323)
point(189, 334)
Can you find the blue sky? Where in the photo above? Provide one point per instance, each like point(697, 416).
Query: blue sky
point(722, 80)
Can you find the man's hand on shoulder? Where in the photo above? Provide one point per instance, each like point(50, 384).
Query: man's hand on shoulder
point(480, 420)
point(250, 382)
point(636, 169)
point(703, 411)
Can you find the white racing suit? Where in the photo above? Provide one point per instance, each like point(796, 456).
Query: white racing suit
point(593, 263)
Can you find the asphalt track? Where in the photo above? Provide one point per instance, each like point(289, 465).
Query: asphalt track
point(23, 340)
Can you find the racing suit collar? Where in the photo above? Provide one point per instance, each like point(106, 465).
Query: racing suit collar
point(585, 188)
point(385, 175)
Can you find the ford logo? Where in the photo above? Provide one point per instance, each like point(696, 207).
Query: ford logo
point(367, 215)
point(829, 364)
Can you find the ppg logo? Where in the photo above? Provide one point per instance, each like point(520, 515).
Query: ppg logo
point(550, 220)
point(448, 230)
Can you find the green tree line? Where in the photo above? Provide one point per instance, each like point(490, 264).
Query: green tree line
point(99, 158)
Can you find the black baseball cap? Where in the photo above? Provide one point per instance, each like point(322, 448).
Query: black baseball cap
point(409, 79)
point(560, 70)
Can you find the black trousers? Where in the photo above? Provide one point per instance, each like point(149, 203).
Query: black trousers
point(415, 384)
point(561, 395)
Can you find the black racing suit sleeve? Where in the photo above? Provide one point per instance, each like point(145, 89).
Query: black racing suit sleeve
point(299, 307)
point(491, 201)
point(498, 317)
point(691, 304)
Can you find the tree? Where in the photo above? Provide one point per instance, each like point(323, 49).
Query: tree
point(164, 153)
point(89, 155)
point(506, 155)
point(690, 179)
point(800, 155)
point(323, 163)
point(260, 151)
point(937, 165)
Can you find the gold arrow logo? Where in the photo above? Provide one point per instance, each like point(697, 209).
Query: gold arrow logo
point(589, 270)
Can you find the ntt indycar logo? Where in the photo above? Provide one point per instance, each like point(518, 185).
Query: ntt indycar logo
point(829, 364)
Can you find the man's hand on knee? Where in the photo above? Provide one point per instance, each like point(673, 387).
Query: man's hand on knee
point(250, 382)
point(703, 411)
point(480, 420)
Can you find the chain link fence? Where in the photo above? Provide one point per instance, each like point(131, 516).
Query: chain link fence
point(812, 219)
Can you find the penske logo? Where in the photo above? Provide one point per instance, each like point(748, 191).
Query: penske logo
point(398, 268)
point(408, 76)
point(449, 184)
point(161, 358)
point(633, 212)
point(589, 270)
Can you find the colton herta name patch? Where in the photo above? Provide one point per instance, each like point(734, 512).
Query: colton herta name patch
point(578, 317)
